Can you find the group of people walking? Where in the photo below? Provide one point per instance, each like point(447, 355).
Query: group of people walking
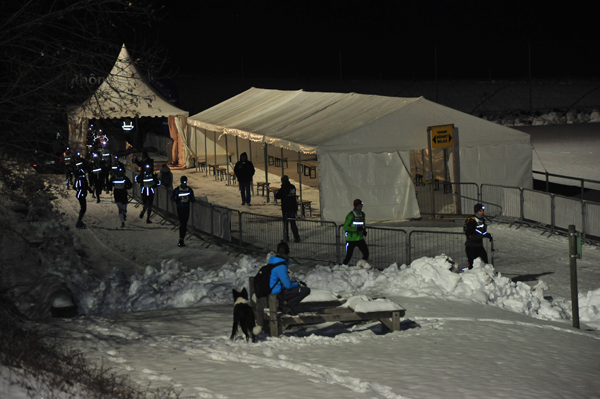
point(101, 172)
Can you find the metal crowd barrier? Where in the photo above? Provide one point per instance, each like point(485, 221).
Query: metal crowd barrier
point(386, 246)
point(551, 211)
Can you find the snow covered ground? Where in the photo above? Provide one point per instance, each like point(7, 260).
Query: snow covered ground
point(162, 314)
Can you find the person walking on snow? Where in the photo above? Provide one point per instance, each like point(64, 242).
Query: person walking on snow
point(476, 230)
point(183, 195)
point(121, 184)
point(289, 207)
point(244, 171)
point(355, 228)
point(81, 189)
point(148, 182)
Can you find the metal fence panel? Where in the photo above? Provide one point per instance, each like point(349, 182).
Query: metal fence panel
point(537, 206)
point(386, 246)
point(592, 220)
point(506, 199)
point(570, 211)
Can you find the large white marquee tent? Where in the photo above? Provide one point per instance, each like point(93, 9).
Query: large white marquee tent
point(363, 144)
point(125, 94)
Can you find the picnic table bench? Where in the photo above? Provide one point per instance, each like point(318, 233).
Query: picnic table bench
point(308, 168)
point(273, 322)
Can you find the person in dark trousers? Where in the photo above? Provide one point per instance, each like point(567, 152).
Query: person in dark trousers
point(476, 230)
point(121, 184)
point(81, 189)
point(183, 195)
point(289, 293)
point(97, 177)
point(289, 207)
point(148, 181)
point(67, 159)
point(244, 171)
point(355, 228)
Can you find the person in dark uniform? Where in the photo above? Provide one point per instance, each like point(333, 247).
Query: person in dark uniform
point(244, 171)
point(289, 207)
point(476, 230)
point(81, 189)
point(121, 183)
point(67, 159)
point(355, 228)
point(146, 164)
point(148, 181)
point(97, 176)
point(183, 195)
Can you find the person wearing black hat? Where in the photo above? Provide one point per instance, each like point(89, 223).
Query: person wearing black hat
point(476, 230)
point(183, 196)
point(355, 228)
point(289, 207)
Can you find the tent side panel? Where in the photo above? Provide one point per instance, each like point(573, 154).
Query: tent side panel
point(381, 181)
point(506, 165)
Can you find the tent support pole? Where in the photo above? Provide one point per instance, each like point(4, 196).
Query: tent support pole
point(266, 168)
point(227, 155)
point(457, 172)
point(215, 147)
point(196, 143)
point(282, 171)
point(237, 148)
point(299, 169)
point(205, 153)
point(431, 169)
point(250, 159)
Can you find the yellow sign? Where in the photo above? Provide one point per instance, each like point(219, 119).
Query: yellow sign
point(442, 136)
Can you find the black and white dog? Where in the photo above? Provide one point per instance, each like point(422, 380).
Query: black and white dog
point(243, 315)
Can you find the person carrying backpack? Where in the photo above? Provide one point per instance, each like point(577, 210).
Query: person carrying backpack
point(476, 230)
point(289, 293)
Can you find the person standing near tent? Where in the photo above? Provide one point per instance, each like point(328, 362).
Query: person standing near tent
point(183, 195)
point(244, 171)
point(289, 207)
point(355, 228)
point(476, 230)
point(121, 183)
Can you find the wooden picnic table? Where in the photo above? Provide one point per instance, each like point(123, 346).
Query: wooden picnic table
point(275, 323)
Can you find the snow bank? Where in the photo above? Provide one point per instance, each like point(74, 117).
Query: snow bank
point(174, 286)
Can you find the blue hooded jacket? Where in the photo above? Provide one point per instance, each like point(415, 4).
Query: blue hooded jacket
point(279, 276)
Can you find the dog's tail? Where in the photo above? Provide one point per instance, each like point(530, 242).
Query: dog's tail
point(256, 330)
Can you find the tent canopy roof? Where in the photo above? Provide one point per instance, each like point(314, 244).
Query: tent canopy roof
point(125, 94)
point(344, 122)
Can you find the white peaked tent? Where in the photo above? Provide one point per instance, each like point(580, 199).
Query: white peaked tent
point(363, 144)
point(125, 94)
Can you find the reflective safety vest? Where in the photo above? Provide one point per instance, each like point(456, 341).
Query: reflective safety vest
point(148, 181)
point(184, 195)
point(119, 184)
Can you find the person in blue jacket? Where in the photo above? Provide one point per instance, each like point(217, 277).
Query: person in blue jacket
point(289, 293)
point(183, 196)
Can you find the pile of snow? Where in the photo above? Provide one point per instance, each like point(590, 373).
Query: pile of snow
point(174, 286)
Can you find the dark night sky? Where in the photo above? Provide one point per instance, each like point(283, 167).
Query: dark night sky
point(395, 39)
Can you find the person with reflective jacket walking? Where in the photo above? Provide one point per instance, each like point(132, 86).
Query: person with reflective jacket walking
point(183, 196)
point(81, 189)
point(121, 184)
point(355, 228)
point(475, 229)
point(148, 181)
